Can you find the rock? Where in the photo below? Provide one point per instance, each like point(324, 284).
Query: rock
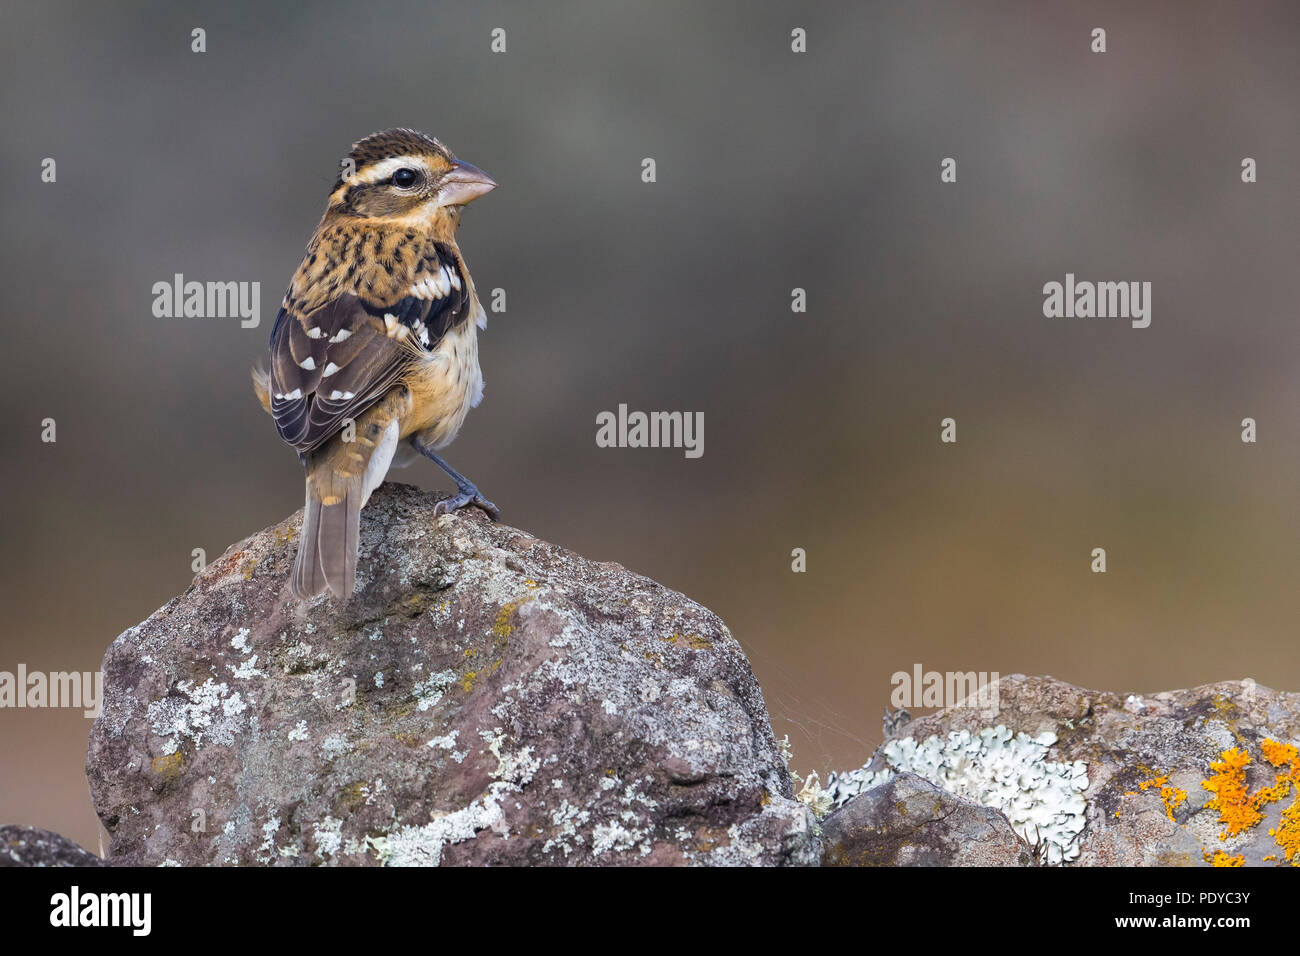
point(1188, 777)
point(483, 698)
point(31, 846)
point(908, 821)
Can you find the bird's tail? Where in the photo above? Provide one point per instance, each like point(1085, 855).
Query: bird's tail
point(340, 478)
point(331, 528)
point(308, 577)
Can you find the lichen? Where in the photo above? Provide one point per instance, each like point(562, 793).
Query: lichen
point(507, 621)
point(169, 766)
point(328, 834)
point(813, 795)
point(209, 711)
point(1231, 796)
point(694, 641)
point(447, 742)
point(1241, 810)
point(1172, 797)
point(423, 845)
point(1219, 858)
point(1042, 799)
point(429, 692)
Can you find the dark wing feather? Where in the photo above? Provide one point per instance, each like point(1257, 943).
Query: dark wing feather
point(309, 407)
point(450, 311)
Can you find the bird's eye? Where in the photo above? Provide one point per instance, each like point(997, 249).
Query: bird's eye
point(404, 178)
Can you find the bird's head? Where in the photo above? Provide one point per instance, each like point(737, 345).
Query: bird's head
point(407, 179)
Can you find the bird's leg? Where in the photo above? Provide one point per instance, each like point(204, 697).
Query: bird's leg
point(469, 493)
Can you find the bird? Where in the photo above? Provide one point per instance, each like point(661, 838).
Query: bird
point(374, 351)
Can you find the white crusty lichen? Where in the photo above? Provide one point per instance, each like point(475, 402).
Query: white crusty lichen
point(328, 834)
point(566, 818)
point(240, 641)
point(208, 711)
point(447, 742)
point(614, 836)
point(1041, 798)
point(843, 787)
point(247, 669)
point(429, 692)
point(266, 852)
point(423, 845)
point(335, 746)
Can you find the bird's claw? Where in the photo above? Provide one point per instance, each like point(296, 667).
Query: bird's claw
point(469, 496)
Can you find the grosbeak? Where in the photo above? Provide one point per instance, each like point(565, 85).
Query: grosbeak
point(375, 347)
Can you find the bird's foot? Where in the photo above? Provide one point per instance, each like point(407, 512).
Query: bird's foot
point(468, 491)
point(469, 495)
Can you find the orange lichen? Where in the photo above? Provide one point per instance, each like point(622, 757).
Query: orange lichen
point(1172, 797)
point(1240, 810)
point(1287, 833)
point(1231, 798)
point(507, 621)
point(1281, 754)
point(1222, 859)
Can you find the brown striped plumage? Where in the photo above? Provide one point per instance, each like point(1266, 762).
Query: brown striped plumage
point(376, 342)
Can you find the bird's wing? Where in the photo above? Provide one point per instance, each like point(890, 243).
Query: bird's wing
point(338, 360)
point(441, 276)
point(330, 365)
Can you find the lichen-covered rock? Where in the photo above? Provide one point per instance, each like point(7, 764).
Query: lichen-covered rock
point(908, 821)
point(1013, 773)
point(483, 697)
point(32, 846)
point(1189, 777)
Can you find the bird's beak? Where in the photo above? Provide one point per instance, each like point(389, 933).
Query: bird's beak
point(464, 184)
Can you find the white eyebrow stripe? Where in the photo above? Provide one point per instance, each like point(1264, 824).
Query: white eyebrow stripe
point(386, 167)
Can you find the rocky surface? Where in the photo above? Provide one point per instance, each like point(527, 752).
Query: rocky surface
point(486, 697)
point(1208, 775)
point(909, 821)
point(483, 697)
point(31, 846)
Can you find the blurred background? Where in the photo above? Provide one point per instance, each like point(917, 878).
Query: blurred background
point(775, 170)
